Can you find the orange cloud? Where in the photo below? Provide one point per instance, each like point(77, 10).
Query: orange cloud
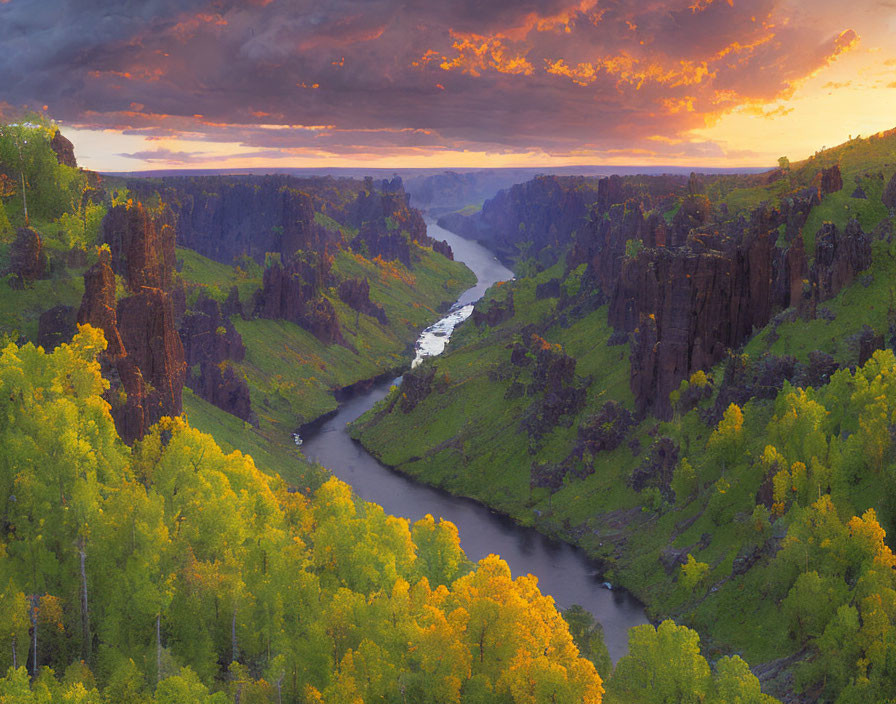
point(476, 54)
point(188, 26)
point(634, 72)
point(701, 5)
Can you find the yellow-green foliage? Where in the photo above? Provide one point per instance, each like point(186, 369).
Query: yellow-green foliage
point(194, 558)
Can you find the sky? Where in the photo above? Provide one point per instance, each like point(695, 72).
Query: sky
point(154, 84)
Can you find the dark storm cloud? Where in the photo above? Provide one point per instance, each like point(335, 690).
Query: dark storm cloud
point(392, 75)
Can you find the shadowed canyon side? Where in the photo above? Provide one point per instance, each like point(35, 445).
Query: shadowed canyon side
point(697, 283)
point(671, 389)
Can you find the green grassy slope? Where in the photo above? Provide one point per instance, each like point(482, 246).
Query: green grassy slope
point(466, 436)
point(291, 374)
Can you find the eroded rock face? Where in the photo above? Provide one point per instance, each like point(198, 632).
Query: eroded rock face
point(98, 305)
point(686, 308)
point(233, 306)
point(65, 150)
point(657, 468)
point(831, 180)
point(606, 429)
point(27, 258)
point(293, 293)
point(142, 246)
point(889, 195)
point(208, 336)
point(497, 312)
point(152, 345)
point(687, 305)
point(56, 326)
point(839, 256)
point(211, 343)
point(372, 242)
point(356, 293)
point(221, 385)
point(558, 395)
point(443, 248)
point(416, 385)
point(144, 358)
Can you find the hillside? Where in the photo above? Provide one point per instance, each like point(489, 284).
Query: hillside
point(694, 388)
point(339, 272)
point(142, 560)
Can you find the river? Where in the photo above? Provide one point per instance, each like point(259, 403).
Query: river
point(563, 571)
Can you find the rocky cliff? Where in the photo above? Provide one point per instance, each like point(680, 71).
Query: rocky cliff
point(27, 258)
point(293, 292)
point(686, 306)
point(144, 358)
point(64, 149)
point(141, 245)
point(356, 293)
point(211, 343)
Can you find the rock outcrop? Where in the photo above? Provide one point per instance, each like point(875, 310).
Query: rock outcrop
point(144, 357)
point(208, 336)
point(830, 180)
point(153, 351)
point(685, 305)
point(210, 344)
point(27, 258)
point(221, 385)
point(495, 313)
point(839, 256)
point(141, 246)
point(443, 248)
point(56, 326)
point(293, 293)
point(548, 375)
point(545, 211)
point(98, 304)
point(416, 385)
point(889, 194)
point(65, 150)
point(656, 469)
point(356, 293)
point(606, 429)
point(225, 217)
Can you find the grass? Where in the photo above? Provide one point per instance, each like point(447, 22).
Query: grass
point(20, 309)
point(465, 437)
point(269, 452)
point(215, 279)
point(864, 302)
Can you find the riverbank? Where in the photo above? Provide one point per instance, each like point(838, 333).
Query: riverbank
point(564, 571)
point(295, 379)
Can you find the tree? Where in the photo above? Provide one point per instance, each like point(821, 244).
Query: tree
point(693, 573)
point(663, 666)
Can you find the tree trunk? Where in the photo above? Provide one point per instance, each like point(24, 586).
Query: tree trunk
point(158, 647)
point(85, 614)
point(235, 653)
point(24, 200)
point(33, 614)
point(15, 660)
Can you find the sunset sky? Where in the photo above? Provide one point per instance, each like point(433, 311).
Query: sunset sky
point(148, 84)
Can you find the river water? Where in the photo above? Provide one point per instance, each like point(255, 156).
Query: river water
point(563, 571)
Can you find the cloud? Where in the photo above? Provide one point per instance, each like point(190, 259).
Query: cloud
point(343, 77)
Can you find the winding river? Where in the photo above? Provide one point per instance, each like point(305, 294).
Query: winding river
point(563, 571)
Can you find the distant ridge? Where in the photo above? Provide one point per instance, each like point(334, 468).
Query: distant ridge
point(525, 172)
